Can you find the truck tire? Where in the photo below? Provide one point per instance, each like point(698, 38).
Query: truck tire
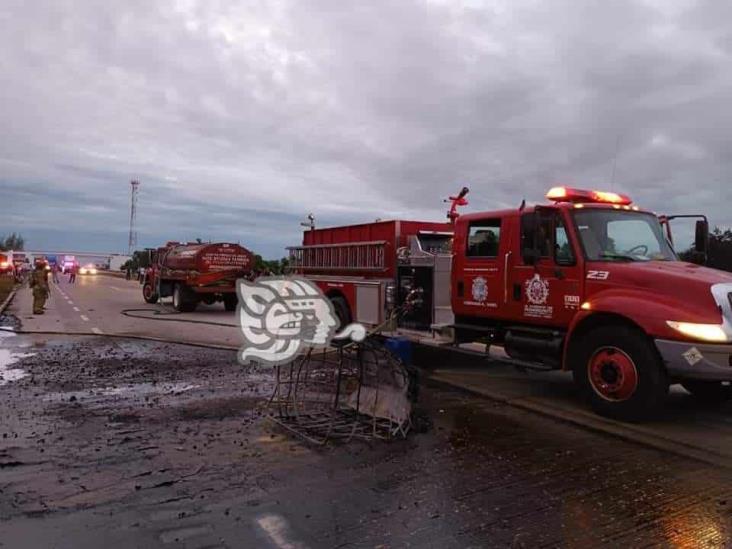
point(148, 293)
point(183, 301)
point(342, 311)
point(619, 373)
point(343, 316)
point(712, 392)
point(230, 302)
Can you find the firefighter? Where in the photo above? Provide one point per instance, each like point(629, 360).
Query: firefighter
point(39, 285)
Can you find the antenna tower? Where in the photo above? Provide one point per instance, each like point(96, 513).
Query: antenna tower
point(132, 242)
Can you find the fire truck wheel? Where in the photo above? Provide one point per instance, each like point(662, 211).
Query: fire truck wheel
point(230, 302)
point(148, 294)
point(712, 392)
point(619, 373)
point(343, 312)
point(183, 300)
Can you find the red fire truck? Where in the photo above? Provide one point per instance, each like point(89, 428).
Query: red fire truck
point(196, 272)
point(588, 283)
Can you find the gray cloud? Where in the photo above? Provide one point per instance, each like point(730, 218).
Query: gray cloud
point(239, 118)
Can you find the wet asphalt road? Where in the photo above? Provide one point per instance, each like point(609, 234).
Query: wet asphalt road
point(106, 304)
point(131, 444)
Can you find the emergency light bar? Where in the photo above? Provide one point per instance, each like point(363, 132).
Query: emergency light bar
point(568, 194)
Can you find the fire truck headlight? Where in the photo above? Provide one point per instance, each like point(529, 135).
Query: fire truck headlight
point(93, 271)
point(703, 332)
point(82, 271)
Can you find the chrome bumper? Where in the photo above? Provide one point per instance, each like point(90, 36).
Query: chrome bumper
point(696, 360)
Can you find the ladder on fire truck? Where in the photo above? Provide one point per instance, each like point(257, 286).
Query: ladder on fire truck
point(350, 256)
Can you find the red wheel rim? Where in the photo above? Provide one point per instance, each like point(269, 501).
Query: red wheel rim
point(613, 374)
point(147, 291)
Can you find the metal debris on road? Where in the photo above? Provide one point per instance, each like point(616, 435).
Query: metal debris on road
point(357, 391)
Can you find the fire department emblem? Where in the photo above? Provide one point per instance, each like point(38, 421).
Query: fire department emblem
point(280, 316)
point(537, 290)
point(480, 289)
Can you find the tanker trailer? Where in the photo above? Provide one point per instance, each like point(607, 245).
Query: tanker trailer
point(191, 273)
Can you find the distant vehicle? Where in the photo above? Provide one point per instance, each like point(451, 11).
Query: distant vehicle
point(68, 263)
point(15, 259)
point(6, 264)
point(89, 269)
point(193, 273)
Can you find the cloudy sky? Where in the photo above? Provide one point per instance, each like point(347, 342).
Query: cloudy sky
point(239, 118)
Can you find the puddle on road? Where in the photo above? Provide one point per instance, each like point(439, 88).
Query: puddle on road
point(124, 391)
point(9, 357)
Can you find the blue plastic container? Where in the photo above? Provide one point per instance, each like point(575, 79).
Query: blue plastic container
point(400, 347)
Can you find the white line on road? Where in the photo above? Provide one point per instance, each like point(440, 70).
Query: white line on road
point(115, 288)
point(69, 302)
point(276, 528)
point(97, 331)
point(76, 309)
point(85, 318)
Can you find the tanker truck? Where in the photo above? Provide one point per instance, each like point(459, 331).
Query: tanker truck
point(192, 273)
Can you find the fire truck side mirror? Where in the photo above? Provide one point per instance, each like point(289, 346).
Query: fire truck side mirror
point(701, 237)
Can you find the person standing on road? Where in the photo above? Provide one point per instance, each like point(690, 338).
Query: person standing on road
point(39, 286)
point(54, 273)
point(72, 274)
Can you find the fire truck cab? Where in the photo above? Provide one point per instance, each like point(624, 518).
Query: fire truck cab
point(588, 283)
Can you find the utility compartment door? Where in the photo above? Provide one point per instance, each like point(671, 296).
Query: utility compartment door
point(369, 303)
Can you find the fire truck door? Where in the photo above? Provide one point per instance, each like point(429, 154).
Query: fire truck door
point(481, 288)
point(546, 281)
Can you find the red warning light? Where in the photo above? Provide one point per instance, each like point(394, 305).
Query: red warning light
point(567, 194)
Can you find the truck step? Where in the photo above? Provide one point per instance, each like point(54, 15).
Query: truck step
point(524, 365)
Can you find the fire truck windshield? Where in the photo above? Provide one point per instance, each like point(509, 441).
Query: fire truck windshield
point(620, 235)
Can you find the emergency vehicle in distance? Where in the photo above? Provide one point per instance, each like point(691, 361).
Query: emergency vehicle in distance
point(88, 269)
point(12, 262)
point(6, 264)
point(196, 272)
point(588, 283)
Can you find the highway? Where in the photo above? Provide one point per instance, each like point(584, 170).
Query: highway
point(161, 444)
point(110, 305)
point(106, 304)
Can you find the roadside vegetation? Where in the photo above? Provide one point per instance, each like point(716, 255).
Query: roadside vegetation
point(14, 241)
point(720, 250)
point(6, 286)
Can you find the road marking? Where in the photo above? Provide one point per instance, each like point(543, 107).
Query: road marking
point(276, 528)
point(76, 309)
point(85, 318)
point(69, 302)
point(97, 331)
point(116, 288)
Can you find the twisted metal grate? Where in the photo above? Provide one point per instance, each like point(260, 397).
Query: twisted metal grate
point(358, 391)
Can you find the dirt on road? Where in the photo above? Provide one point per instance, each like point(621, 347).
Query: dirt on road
point(140, 444)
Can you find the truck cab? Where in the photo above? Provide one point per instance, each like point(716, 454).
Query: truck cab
point(591, 283)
